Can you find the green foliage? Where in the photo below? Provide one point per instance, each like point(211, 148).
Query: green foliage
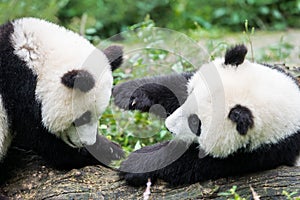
point(277, 52)
point(105, 18)
point(12, 9)
point(291, 196)
point(110, 17)
point(248, 36)
point(260, 13)
point(132, 130)
point(231, 194)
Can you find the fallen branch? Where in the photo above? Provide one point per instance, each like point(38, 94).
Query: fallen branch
point(36, 181)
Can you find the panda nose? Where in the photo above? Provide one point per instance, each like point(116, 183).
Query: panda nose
point(194, 124)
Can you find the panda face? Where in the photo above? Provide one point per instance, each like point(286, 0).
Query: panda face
point(84, 110)
point(74, 79)
point(254, 105)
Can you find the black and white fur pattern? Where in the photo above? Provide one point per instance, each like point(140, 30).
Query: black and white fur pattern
point(54, 85)
point(258, 127)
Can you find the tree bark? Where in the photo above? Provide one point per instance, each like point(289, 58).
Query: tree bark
point(37, 181)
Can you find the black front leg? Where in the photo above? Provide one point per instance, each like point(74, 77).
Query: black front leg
point(172, 161)
point(106, 151)
point(143, 164)
point(169, 91)
point(60, 155)
point(176, 163)
point(194, 166)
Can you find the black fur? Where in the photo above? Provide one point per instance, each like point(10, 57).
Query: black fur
point(195, 124)
point(79, 79)
point(115, 56)
point(189, 168)
point(168, 91)
point(17, 88)
point(243, 118)
point(235, 55)
point(85, 118)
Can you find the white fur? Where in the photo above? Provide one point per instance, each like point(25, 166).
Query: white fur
point(5, 136)
point(51, 51)
point(272, 97)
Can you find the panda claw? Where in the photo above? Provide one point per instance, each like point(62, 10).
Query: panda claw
point(133, 102)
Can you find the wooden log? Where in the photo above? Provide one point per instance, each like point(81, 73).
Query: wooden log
point(37, 181)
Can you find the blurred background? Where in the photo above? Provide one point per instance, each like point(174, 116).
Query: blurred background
point(269, 27)
point(106, 18)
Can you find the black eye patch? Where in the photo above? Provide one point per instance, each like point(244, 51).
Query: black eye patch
point(85, 118)
point(195, 124)
point(243, 118)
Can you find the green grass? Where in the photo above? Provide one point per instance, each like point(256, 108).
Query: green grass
point(231, 194)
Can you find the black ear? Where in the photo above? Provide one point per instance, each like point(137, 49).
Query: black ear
point(235, 55)
point(115, 56)
point(79, 79)
point(243, 118)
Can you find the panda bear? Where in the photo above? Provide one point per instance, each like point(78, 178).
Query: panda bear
point(233, 117)
point(54, 85)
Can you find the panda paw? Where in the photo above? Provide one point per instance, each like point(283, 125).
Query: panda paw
point(139, 101)
point(106, 151)
point(129, 97)
point(145, 163)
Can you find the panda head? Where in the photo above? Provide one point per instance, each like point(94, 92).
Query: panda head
point(73, 78)
point(236, 104)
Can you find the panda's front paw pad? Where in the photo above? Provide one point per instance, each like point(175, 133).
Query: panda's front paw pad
point(139, 101)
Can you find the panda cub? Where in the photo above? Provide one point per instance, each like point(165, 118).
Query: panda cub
point(54, 85)
point(242, 117)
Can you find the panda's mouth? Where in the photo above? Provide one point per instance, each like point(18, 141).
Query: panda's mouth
point(70, 142)
point(66, 137)
point(170, 131)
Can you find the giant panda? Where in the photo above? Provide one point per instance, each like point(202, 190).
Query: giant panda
point(54, 85)
point(249, 122)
